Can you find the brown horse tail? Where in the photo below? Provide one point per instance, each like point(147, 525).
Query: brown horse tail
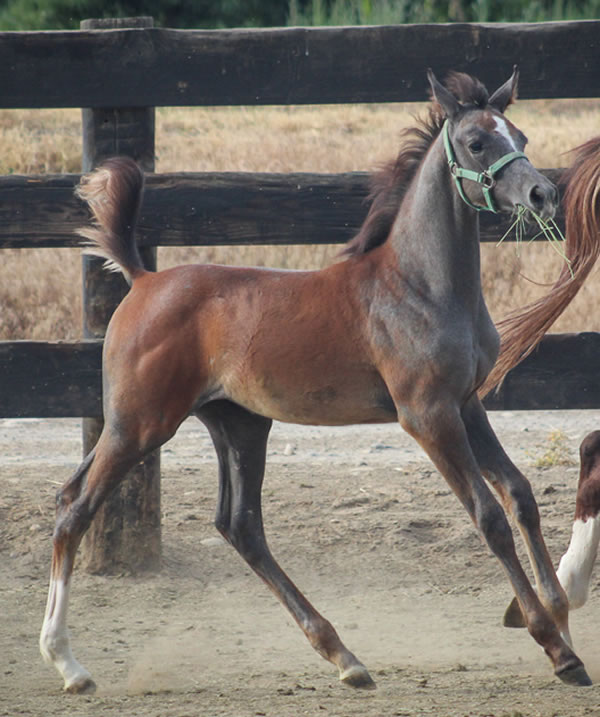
point(113, 193)
point(521, 331)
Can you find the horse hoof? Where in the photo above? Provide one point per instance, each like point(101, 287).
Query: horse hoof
point(83, 686)
point(358, 676)
point(513, 617)
point(574, 676)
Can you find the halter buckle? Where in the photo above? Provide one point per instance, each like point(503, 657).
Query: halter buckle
point(487, 180)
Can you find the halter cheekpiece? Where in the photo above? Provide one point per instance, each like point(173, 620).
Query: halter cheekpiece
point(486, 178)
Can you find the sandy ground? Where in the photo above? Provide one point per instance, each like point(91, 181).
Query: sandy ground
point(361, 522)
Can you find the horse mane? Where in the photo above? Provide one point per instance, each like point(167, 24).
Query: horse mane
point(389, 185)
point(522, 330)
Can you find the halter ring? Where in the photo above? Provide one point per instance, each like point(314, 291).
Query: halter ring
point(487, 180)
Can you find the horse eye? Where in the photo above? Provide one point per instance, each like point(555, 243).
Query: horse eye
point(475, 147)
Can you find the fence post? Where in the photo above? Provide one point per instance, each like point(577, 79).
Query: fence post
point(125, 535)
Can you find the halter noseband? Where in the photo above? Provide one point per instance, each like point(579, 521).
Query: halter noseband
point(486, 178)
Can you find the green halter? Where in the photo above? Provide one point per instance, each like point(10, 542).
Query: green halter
point(485, 178)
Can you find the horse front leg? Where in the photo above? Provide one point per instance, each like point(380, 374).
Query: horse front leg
point(240, 439)
point(444, 436)
point(516, 494)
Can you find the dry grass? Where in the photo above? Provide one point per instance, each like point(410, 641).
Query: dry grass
point(40, 289)
point(558, 452)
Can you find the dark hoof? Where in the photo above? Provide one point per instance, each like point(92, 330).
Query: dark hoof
point(85, 686)
point(513, 617)
point(358, 676)
point(574, 676)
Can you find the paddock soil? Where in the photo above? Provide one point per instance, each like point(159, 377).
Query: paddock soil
point(366, 527)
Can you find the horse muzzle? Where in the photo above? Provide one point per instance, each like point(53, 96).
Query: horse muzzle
point(543, 198)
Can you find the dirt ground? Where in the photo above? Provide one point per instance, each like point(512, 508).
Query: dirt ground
point(361, 522)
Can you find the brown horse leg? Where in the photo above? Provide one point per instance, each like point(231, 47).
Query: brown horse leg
point(516, 494)
point(54, 638)
point(105, 467)
point(444, 437)
point(240, 440)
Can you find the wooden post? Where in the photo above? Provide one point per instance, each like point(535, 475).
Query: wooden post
point(125, 535)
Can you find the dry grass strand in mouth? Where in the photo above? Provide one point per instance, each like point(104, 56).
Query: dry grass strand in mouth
point(547, 227)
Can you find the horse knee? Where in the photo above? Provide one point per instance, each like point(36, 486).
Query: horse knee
point(524, 506)
point(541, 627)
point(494, 526)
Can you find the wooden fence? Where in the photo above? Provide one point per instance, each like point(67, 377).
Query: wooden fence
point(120, 70)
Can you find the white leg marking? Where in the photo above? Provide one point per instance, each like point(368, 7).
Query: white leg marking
point(575, 567)
point(54, 639)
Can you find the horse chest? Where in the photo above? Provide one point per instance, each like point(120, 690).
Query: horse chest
point(467, 352)
point(424, 353)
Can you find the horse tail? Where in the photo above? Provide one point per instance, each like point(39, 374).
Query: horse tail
point(522, 330)
point(113, 193)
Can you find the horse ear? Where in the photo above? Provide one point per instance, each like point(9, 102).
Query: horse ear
point(506, 94)
point(443, 97)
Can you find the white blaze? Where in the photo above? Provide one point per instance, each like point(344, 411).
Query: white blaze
point(502, 128)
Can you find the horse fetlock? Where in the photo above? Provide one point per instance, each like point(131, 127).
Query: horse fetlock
point(545, 632)
point(327, 643)
point(48, 654)
point(52, 646)
point(57, 652)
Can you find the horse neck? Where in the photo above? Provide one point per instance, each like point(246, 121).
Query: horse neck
point(436, 235)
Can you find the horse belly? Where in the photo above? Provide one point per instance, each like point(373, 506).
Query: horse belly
point(326, 399)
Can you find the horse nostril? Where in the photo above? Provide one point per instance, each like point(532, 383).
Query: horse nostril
point(536, 196)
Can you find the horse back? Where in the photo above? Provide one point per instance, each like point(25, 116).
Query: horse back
point(292, 345)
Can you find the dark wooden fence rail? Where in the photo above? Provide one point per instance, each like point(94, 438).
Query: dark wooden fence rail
point(160, 67)
point(128, 68)
point(221, 208)
point(119, 74)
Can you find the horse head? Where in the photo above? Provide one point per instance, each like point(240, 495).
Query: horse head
point(485, 150)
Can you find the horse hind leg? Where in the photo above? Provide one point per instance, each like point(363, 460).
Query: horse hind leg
point(54, 636)
point(240, 439)
point(77, 502)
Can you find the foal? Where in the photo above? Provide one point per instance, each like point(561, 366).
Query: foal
point(398, 331)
